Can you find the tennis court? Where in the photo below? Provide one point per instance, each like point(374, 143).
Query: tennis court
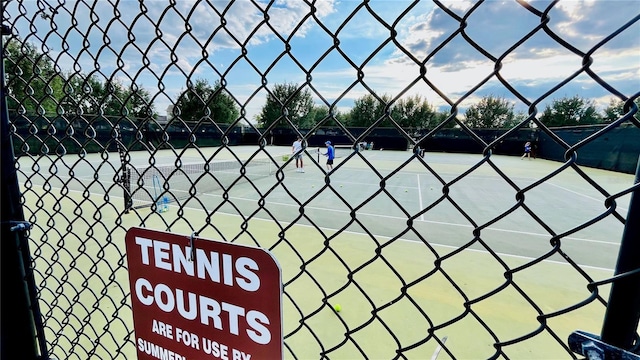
point(376, 235)
point(384, 198)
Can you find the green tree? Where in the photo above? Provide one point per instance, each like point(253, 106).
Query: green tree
point(385, 100)
point(363, 111)
point(320, 114)
point(491, 112)
point(90, 96)
point(78, 94)
point(201, 100)
point(570, 112)
point(288, 102)
point(521, 116)
point(441, 116)
point(415, 112)
point(34, 83)
point(141, 103)
point(368, 109)
point(615, 110)
point(343, 118)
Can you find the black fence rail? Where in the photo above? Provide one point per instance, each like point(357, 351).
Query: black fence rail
point(79, 113)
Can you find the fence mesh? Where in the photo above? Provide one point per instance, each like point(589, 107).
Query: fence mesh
point(75, 165)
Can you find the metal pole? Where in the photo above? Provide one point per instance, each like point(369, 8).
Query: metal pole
point(125, 178)
point(20, 320)
point(623, 309)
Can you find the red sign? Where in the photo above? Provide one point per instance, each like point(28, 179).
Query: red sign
point(216, 300)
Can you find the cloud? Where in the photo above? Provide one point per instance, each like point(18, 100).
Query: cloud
point(496, 26)
point(160, 46)
point(538, 62)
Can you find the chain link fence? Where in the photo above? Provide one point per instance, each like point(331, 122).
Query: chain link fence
point(86, 178)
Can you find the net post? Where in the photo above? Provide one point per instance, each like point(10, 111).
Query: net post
point(126, 182)
point(126, 171)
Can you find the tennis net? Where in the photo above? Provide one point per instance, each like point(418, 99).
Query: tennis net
point(165, 183)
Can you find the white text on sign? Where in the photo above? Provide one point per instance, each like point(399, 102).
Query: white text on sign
point(209, 347)
point(220, 268)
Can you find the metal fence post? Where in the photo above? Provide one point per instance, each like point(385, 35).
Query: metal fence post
point(623, 309)
point(21, 324)
point(618, 336)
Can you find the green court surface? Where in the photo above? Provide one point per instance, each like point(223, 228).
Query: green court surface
point(343, 238)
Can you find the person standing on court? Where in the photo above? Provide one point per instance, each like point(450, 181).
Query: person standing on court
point(296, 150)
point(330, 154)
point(527, 151)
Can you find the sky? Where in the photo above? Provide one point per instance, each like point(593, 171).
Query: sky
point(343, 50)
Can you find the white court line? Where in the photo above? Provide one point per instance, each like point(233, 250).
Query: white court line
point(585, 196)
point(420, 197)
point(422, 217)
point(528, 258)
point(511, 255)
point(426, 221)
point(400, 239)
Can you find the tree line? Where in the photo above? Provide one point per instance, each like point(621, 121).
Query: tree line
point(37, 86)
point(416, 113)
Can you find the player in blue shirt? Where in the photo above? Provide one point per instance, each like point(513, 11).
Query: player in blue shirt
point(330, 154)
point(527, 151)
